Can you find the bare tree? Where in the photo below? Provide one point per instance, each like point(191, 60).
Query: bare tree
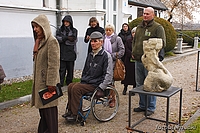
point(181, 10)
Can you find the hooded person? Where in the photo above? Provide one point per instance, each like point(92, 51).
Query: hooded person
point(45, 72)
point(67, 38)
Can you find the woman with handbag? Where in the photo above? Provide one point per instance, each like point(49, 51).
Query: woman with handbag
point(114, 45)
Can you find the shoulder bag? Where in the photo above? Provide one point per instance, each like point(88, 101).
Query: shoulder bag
point(119, 70)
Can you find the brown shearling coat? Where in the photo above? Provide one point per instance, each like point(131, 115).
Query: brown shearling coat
point(46, 64)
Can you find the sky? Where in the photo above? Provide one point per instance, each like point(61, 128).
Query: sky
point(196, 17)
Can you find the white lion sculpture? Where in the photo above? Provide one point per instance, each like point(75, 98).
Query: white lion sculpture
point(158, 78)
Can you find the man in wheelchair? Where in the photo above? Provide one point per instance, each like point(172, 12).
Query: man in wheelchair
point(97, 74)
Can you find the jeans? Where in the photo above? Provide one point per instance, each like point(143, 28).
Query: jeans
point(140, 75)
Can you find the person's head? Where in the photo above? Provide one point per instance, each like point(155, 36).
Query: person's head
point(133, 31)
point(148, 14)
point(37, 29)
point(125, 27)
point(67, 21)
point(41, 27)
point(96, 40)
point(109, 29)
point(93, 22)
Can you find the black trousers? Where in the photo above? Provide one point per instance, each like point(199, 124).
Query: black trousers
point(66, 66)
point(48, 120)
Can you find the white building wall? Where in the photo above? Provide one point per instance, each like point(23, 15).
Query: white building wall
point(82, 5)
point(28, 3)
point(16, 39)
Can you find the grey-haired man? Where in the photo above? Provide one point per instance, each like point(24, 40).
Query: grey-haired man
point(97, 74)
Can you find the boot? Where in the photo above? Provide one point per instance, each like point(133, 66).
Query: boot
point(67, 113)
point(112, 97)
point(125, 89)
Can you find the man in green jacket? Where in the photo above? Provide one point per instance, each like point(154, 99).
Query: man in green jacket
point(147, 29)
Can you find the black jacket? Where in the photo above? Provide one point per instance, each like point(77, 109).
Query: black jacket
point(67, 38)
point(89, 32)
point(125, 35)
point(98, 70)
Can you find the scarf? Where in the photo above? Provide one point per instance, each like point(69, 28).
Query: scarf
point(36, 46)
point(107, 44)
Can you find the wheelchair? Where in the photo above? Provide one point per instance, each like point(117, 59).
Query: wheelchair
point(98, 105)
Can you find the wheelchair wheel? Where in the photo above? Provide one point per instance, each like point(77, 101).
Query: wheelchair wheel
point(100, 106)
point(86, 103)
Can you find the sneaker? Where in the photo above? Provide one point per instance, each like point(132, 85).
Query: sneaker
point(138, 109)
point(149, 112)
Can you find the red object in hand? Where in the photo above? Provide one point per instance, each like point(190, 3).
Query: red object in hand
point(51, 88)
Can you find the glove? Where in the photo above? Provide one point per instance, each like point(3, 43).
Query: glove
point(64, 38)
point(99, 93)
point(51, 88)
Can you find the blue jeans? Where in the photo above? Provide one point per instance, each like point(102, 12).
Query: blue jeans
point(140, 75)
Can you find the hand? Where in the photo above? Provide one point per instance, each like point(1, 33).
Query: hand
point(99, 93)
point(51, 88)
point(88, 37)
point(71, 39)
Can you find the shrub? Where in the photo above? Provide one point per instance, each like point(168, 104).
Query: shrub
point(169, 31)
point(188, 36)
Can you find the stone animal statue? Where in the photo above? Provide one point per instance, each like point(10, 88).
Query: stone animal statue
point(158, 78)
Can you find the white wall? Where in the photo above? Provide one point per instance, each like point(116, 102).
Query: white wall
point(82, 4)
point(16, 39)
point(17, 22)
point(28, 3)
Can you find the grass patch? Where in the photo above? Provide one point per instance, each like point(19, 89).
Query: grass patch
point(168, 54)
point(16, 90)
point(194, 127)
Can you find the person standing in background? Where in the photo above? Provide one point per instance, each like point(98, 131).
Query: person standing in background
point(94, 26)
point(129, 63)
point(67, 38)
point(46, 59)
point(147, 29)
point(125, 34)
point(114, 45)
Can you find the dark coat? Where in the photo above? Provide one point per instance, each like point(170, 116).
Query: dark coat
point(129, 65)
point(125, 36)
point(67, 38)
point(89, 32)
point(98, 69)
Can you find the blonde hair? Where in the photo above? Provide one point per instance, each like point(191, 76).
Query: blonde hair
point(110, 26)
